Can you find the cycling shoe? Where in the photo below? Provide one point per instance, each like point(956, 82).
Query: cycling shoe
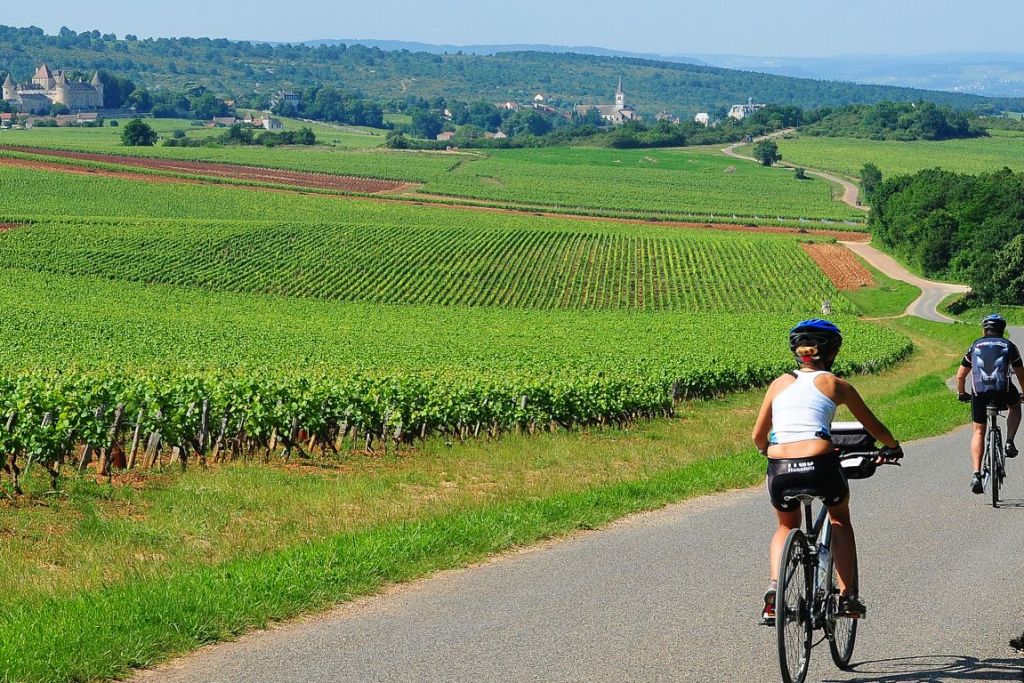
point(768, 613)
point(851, 607)
point(976, 484)
point(1011, 450)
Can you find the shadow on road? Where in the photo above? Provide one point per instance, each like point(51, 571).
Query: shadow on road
point(935, 669)
point(1012, 503)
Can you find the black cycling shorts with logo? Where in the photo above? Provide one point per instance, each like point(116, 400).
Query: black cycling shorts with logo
point(818, 476)
point(1003, 399)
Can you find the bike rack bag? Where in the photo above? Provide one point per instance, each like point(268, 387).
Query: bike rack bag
point(849, 438)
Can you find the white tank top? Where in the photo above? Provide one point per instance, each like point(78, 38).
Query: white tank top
point(801, 412)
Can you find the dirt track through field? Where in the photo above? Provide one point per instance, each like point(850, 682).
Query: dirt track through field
point(304, 179)
point(392, 196)
point(839, 265)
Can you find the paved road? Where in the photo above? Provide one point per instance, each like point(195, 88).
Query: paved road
point(851, 193)
point(673, 596)
point(932, 293)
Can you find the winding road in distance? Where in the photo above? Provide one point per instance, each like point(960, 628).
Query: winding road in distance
point(851, 193)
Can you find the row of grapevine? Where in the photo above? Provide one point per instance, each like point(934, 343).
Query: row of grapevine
point(122, 419)
point(521, 265)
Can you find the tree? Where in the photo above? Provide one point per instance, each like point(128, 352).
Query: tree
point(1009, 272)
point(767, 152)
point(396, 140)
point(427, 124)
point(137, 133)
point(870, 179)
point(141, 100)
point(206, 106)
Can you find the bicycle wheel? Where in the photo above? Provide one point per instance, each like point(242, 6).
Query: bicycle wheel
point(994, 464)
point(793, 609)
point(841, 632)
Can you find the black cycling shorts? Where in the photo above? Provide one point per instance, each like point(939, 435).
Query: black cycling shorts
point(1004, 400)
point(818, 476)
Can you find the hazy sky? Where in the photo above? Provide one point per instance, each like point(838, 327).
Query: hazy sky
point(750, 27)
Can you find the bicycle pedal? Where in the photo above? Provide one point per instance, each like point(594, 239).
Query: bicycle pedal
point(767, 621)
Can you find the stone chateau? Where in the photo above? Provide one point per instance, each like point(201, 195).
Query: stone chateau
point(48, 89)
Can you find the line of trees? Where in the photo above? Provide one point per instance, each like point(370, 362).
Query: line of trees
point(964, 227)
point(906, 121)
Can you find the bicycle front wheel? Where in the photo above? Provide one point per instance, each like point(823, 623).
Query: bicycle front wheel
point(842, 632)
point(793, 609)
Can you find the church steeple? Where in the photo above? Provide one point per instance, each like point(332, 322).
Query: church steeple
point(620, 97)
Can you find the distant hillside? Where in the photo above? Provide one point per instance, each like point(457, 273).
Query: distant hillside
point(241, 68)
point(433, 48)
point(989, 74)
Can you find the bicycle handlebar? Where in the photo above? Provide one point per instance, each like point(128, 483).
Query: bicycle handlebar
point(869, 461)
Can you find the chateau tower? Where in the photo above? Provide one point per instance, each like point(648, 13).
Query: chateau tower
point(98, 85)
point(44, 78)
point(620, 97)
point(10, 89)
point(61, 90)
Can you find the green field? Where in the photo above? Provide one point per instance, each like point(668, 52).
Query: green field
point(696, 184)
point(107, 138)
point(848, 155)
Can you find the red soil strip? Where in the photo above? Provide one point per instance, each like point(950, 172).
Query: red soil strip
point(840, 265)
point(845, 235)
point(4, 227)
point(303, 179)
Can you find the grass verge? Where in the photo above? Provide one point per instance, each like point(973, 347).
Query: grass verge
point(887, 298)
point(115, 577)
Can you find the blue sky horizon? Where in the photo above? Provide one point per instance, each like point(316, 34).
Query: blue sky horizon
point(803, 29)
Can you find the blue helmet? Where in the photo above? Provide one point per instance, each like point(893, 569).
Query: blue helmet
point(994, 323)
point(815, 332)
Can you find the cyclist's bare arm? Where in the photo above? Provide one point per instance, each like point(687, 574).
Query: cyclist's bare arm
point(961, 379)
point(763, 425)
point(848, 396)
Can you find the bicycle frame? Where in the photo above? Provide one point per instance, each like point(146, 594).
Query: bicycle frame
point(994, 457)
point(818, 536)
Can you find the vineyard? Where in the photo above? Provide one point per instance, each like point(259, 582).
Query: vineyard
point(300, 179)
point(214, 375)
point(149, 322)
point(410, 256)
point(645, 180)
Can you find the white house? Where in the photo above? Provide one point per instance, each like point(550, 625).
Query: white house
point(741, 111)
point(703, 118)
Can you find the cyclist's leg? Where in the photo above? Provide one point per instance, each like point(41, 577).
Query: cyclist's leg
point(977, 446)
point(844, 547)
point(1013, 415)
point(788, 520)
point(979, 404)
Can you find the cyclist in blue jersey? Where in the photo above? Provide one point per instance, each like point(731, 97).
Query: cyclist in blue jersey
point(990, 362)
point(793, 429)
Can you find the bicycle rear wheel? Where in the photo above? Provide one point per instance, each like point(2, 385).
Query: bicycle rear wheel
point(793, 609)
point(994, 463)
point(841, 632)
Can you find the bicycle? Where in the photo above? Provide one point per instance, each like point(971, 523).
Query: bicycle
point(993, 462)
point(807, 597)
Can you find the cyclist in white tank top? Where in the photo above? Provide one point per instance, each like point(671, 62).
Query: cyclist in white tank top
point(793, 429)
